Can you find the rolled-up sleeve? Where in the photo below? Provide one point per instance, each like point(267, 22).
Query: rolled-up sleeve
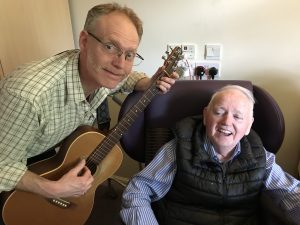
point(132, 79)
point(18, 122)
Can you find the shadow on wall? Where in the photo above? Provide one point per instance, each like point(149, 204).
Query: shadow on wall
point(287, 93)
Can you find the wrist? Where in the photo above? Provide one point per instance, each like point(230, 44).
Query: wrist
point(36, 184)
point(143, 84)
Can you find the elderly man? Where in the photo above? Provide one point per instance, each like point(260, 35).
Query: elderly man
point(213, 172)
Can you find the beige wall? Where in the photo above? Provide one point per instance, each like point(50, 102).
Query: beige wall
point(32, 30)
point(260, 38)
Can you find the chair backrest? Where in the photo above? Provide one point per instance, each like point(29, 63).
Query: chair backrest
point(186, 98)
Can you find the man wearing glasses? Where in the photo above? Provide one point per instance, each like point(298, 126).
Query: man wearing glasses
point(44, 102)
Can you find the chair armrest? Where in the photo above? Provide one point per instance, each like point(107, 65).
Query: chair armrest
point(271, 212)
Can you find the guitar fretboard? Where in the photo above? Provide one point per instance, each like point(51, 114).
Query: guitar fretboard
point(116, 133)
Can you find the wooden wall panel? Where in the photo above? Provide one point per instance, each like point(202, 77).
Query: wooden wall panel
point(33, 29)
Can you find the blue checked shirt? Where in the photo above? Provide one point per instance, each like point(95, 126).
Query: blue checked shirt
point(41, 104)
point(153, 183)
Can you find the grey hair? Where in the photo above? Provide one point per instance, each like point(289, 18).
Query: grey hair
point(104, 9)
point(243, 90)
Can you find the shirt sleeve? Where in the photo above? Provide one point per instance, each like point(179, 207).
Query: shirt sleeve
point(18, 124)
point(129, 84)
point(151, 184)
point(284, 186)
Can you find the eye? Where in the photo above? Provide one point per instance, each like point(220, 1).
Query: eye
point(130, 56)
point(218, 112)
point(238, 117)
point(110, 47)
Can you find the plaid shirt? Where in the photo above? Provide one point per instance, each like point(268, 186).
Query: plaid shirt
point(40, 105)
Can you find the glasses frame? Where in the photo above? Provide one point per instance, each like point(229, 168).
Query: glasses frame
point(120, 51)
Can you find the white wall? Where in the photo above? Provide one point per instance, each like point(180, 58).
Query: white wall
point(260, 38)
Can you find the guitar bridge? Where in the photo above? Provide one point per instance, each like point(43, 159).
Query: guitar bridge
point(60, 202)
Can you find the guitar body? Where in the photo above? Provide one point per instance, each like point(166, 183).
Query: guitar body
point(30, 209)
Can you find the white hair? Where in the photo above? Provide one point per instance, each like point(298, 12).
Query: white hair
point(243, 90)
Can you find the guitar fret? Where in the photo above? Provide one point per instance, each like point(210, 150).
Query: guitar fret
point(122, 128)
point(127, 121)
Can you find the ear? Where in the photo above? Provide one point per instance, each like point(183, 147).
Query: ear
point(204, 116)
point(249, 126)
point(83, 40)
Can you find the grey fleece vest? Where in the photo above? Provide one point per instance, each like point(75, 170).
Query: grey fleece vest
point(205, 192)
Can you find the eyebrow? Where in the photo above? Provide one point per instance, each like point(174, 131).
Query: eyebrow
point(218, 107)
point(117, 44)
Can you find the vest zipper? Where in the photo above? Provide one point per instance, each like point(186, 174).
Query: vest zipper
point(224, 189)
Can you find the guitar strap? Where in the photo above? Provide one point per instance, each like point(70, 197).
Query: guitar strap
point(103, 118)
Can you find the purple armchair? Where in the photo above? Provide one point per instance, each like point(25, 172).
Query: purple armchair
point(151, 128)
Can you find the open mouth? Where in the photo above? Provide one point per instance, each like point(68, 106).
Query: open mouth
point(224, 131)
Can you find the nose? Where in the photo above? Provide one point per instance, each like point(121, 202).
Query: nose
point(119, 60)
point(227, 119)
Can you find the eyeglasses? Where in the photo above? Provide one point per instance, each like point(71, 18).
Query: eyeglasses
point(110, 48)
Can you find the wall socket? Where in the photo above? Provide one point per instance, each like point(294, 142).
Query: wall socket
point(212, 68)
point(188, 50)
point(189, 67)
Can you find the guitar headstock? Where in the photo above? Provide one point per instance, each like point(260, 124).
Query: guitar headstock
point(172, 60)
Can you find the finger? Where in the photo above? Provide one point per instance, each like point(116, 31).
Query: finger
point(165, 83)
point(78, 169)
point(164, 87)
point(168, 80)
point(175, 75)
point(90, 181)
point(85, 172)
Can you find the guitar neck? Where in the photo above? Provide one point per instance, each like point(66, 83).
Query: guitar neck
point(122, 127)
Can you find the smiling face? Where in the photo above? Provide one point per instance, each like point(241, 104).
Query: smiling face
point(99, 68)
point(227, 118)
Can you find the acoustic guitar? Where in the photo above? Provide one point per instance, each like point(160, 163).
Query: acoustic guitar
point(103, 158)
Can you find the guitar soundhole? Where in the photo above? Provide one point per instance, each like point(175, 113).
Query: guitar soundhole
point(92, 167)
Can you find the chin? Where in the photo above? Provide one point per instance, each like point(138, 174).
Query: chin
point(111, 85)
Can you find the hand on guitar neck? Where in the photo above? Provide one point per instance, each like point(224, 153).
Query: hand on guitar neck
point(163, 83)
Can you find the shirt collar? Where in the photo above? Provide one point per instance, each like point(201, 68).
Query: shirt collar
point(209, 148)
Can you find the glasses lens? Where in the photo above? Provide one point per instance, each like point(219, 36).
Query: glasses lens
point(137, 60)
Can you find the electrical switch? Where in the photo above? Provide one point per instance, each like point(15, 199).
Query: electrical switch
point(212, 52)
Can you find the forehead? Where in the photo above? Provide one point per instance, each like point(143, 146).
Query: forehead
point(234, 99)
point(117, 27)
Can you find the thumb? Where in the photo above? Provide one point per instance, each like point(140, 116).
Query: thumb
point(79, 167)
